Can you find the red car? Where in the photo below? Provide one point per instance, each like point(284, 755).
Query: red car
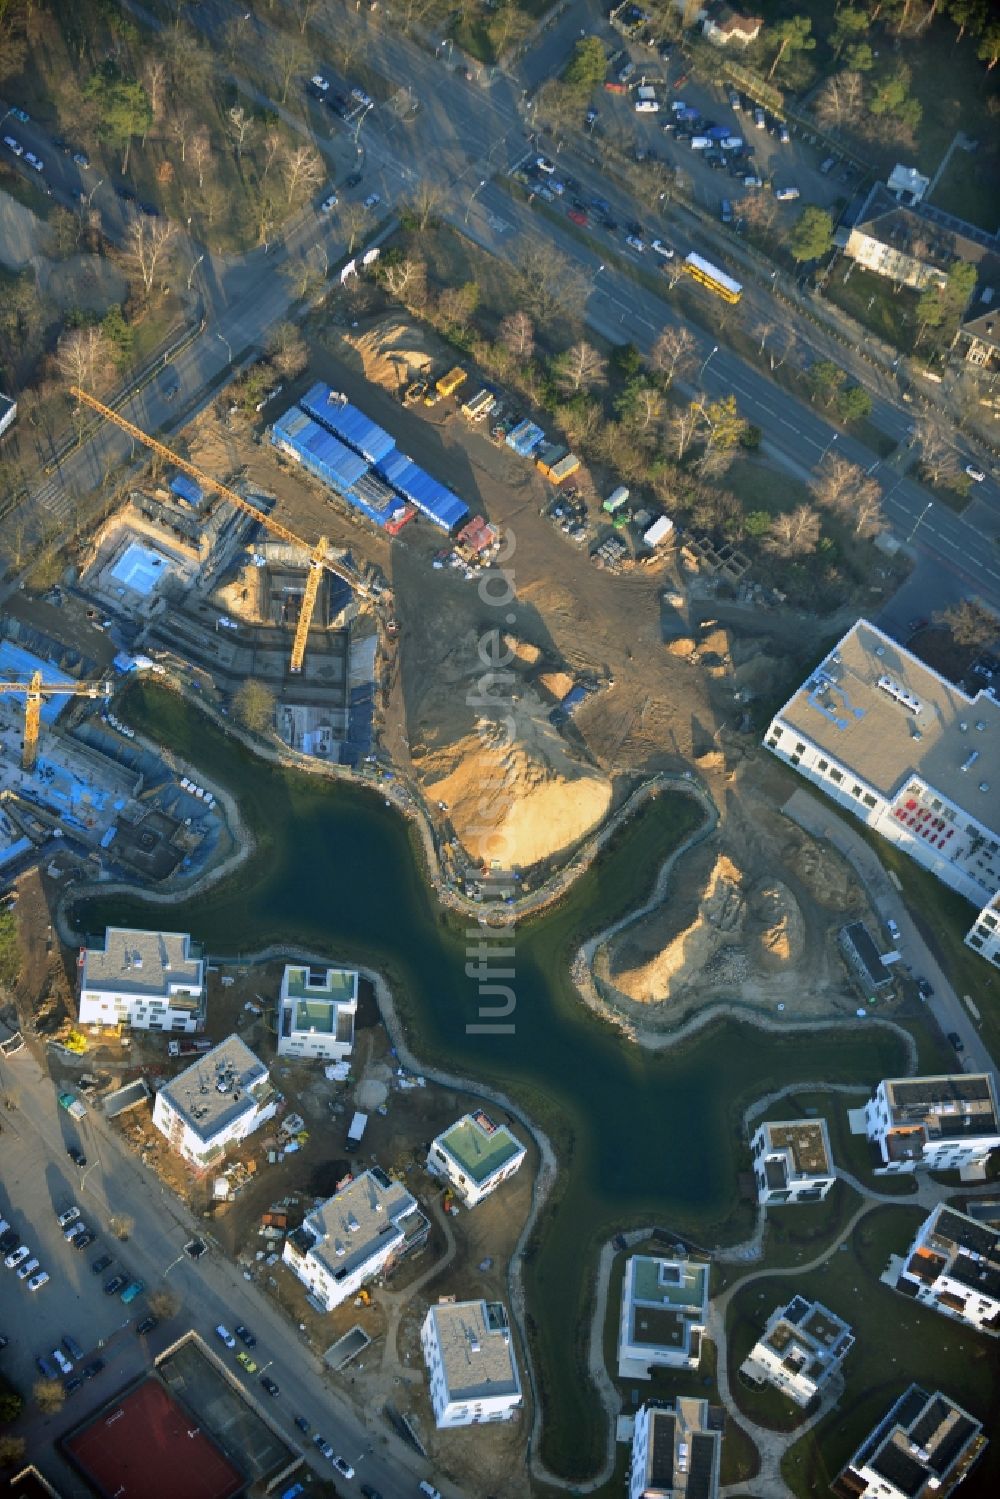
point(680, 82)
point(577, 215)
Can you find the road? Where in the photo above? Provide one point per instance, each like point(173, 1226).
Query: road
point(465, 136)
point(38, 1181)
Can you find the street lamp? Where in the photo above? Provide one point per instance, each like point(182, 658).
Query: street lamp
point(93, 190)
point(173, 1263)
point(919, 518)
point(710, 355)
point(829, 445)
point(472, 198)
point(193, 269)
point(229, 350)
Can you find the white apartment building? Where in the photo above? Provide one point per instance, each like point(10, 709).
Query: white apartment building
point(663, 1315)
point(953, 1265)
point(317, 1008)
point(470, 1362)
point(792, 1162)
point(221, 1098)
point(800, 1349)
point(924, 1445)
point(910, 755)
point(676, 1451)
point(361, 1231)
point(944, 1123)
point(475, 1156)
point(150, 981)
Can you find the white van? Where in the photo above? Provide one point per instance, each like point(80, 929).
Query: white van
point(429, 1489)
point(786, 194)
point(700, 143)
point(732, 143)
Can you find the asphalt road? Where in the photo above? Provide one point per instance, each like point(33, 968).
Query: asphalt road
point(38, 1181)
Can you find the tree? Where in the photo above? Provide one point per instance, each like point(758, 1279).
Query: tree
point(149, 248)
point(355, 218)
point(988, 50)
point(82, 356)
point(793, 36)
point(891, 98)
point(182, 127)
point(579, 368)
point(682, 429)
point(286, 349)
point(163, 1304)
point(940, 306)
point(190, 64)
point(673, 352)
point(121, 1225)
point(826, 380)
point(49, 1395)
point(200, 152)
point(550, 285)
point(405, 278)
point(240, 126)
point(587, 67)
point(304, 172)
point(846, 490)
point(812, 234)
point(859, 58)
point(456, 304)
point(123, 107)
point(120, 336)
point(426, 202)
point(517, 334)
point(760, 210)
point(640, 405)
point(850, 26)
point(934, 443)
point(722, 425)
point(154, 77)
point(968, 15)
point(253, 705)
point(11, 1405)
point(304, 10)
point(794, 534)
point(970, 622)
point(839, 99)
point(290, 57)
point(12, 1449)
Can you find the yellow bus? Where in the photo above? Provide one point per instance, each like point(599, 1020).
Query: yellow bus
point(715, 280)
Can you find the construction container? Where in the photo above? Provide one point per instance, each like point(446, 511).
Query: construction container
point(430, 496)
point(449, 383)
point(549, 453)
point(659, 531)
point(346, 422)
point(525, 438)
point(616, 499)
point(562, 470)
point(480, 406)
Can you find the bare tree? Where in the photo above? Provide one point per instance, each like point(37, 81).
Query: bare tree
point(154, 78)
point(406, 280)
point(290, 57)
point(550, 285)
point(795, 533)
point(845, 489)
point(868, 517)
point(235, 33)
point(456, 304)
point(644, 406)
point(265, 214)
point(682, 428)
point(200, 152)
point(936, 446)
point(760, 211)
point(163, 1304)
point(240, 127)
point(121, 1225)
point(517, 334)
point(776, 357)
point(84, 357)
point(49, 1395)
point(304, 172)
point(149, 247)
point(426, 201)
point(354, 220)
point(182, 127)
point(303, 11)
point(673, 352)
point(839, 100)
point(287, 350)
point(970, 622)
point(273, 144)
point(580, 368)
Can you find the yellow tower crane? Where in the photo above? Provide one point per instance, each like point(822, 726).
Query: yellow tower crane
point(318, 559)
point(34, 690)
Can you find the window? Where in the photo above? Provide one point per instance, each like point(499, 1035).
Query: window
point(855, 789)
point(800, 748)
point(868, 799)
point(822, 765)
point(836, 775)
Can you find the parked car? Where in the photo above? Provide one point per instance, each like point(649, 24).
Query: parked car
point(73, 1348)
point(247, 1362)
point(726, 211)
point(20, 114)
point(323, 1445)
point(68, 1217)
point(956, 1040)
point(302, 1423)
point(369, 1493)
point(13, 145)
point(38, 1281)
point(225, 1336)
point(76, 1155)
point(146, 1325)
point(590, 116)
point(99, 1266)
point(372, 201)
point(81, 158)
point(577, 216)
point(783, 135)
point(245, 1336)
point(79, 1227)
point(269, 1384)
point(17, 1257)
point(893, 930)
point(84, 1240)
point(759, 119)
point(328, 203)
point(974, 473)
point(115, 1284)
point(353, 179)
point(65, 1364)
point(659, 248)
point(544, 165)
point(46, 1368)
point(343, 1467)
point(8, 1240)
point(924, 989)
point(786, 194)
point(34, 161)
point(28, 1268)
point(70, 1386)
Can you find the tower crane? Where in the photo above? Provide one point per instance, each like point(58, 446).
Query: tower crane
point(318, 559)
point(34, 690)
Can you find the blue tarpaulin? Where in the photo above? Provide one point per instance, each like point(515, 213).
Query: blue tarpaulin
point(187, 489)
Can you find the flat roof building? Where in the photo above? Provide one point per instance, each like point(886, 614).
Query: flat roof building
point(953, 1265)
point(475, 1156)
point(469, 1354)
point(792, 1161)
point(944, 1123)
point(147, 980)
point(676, 1450)
point(317, 1008)
point(863, 957)
point(221, 1098)
point(663, 1315)
point(800, 1349)
point(908, 753)
point(924, 1445)
point(362, 1230)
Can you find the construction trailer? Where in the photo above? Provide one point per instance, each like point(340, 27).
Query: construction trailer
point(559, 471)
point(478, 408)
point(659, 531)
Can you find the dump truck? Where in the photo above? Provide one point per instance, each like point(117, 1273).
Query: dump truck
point(449, 383)
point(72, 1105)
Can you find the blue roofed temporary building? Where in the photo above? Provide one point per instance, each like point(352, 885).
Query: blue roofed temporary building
point(298, 435)
point(437, 502)
point(525, 438)
point(345, 421)
point(187, 489)
point(374, 499)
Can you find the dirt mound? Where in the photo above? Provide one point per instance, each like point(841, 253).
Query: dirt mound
point(683, 646)
point(781, 932)
point(827, 876)
point(393, 353)
point(556, 684)
point(522, 651)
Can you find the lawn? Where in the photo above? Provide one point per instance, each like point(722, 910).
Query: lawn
point(872, 301)
point(967, 188)
point(851, 1152)
point(897, 1342)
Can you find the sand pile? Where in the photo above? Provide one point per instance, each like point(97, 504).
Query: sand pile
point(393, 353)
point(556, 684)
point(781, 933)
point(523, 652)
point(683, 646)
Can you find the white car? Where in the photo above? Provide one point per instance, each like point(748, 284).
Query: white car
point(659, 248)
point(372, 201)
point(65, 1364)
point(328, 203)
point(226, 1336)
point(16, 1256)
point(635, 243)
point(28, 1268)
point(974, 473)
point(319, 83)
point(38, 1281)
point(359, 95)
point(34, 161)
point(544, 165)
point(13, 145)
point(893, 929)
point(79, 1227)
point(343, 1467)
point(70, 1216)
